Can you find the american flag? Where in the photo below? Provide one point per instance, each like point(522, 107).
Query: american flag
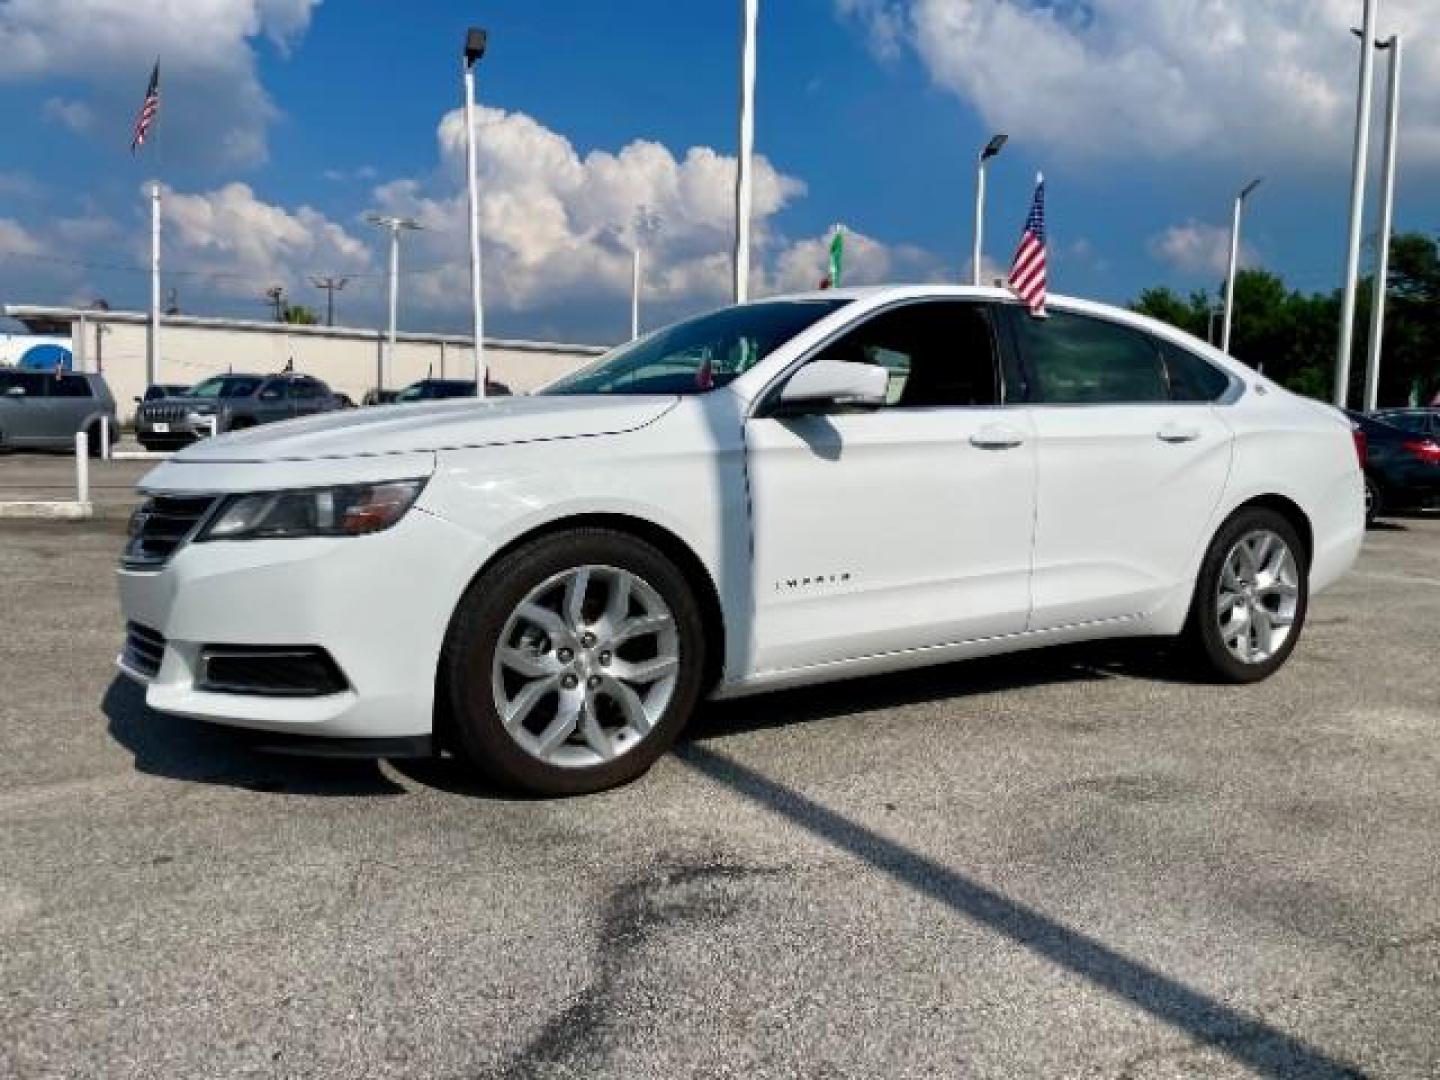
point(148, 108)
point(1027, 272)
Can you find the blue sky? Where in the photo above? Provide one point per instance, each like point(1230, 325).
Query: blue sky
point(284, 121)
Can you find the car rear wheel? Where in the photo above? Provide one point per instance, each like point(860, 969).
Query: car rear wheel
point(574, 663)
point(1250, 598)
point(1372, 500)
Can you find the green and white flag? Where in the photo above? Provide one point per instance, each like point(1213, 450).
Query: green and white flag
point(837, 256)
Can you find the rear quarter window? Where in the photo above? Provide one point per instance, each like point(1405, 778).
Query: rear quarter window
point(1191, 378)
point(71, 386)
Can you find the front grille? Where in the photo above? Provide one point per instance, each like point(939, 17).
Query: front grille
point(269, 671)
point(162, 413)
point(144, 649)
point(161, 525)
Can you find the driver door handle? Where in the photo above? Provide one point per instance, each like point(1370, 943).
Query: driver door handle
point(1178, 433)
point(997, 437)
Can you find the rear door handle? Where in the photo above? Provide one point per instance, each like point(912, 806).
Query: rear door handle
point(1176, 433)
point(996, 437)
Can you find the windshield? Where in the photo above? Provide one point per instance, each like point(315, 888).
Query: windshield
point(698, 354)
point(224, 386)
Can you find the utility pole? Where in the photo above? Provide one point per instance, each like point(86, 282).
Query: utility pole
point(275, 296)
point(331, 285)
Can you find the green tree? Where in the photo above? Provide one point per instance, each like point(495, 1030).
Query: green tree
point(1291, 336)
point(300, 315)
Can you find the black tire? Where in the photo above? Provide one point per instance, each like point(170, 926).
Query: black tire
point(1203, 645)
point(480, 619)
point(92, 440)
point(1373, 502)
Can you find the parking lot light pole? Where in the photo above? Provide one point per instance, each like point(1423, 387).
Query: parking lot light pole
point(475, 39)
point(1358, 168)
point(647, 223)
point(750, 11)
point(395, 225)
point(1387, 225)
point(1234, 265)
point(992, 148)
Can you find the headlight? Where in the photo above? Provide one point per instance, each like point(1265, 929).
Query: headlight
point(352, 510)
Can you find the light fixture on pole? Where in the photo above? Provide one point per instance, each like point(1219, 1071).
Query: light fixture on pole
point(647, 223)
point(475, 41)
point(1358, 168)
point(396, 225)
point(992, 148)
point(1234, 264)
point(1387, 225)
point(750, 12)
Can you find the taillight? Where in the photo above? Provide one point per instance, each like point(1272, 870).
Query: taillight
point(1427, 450)
point(1362, 445)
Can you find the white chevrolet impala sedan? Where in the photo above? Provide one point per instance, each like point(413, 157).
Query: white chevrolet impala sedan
point(795, 490)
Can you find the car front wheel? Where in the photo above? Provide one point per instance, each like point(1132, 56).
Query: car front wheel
point(1250, 598)
point(573, 663)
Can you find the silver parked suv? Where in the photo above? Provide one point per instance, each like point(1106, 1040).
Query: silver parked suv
point(47, 408)
point(229, 403)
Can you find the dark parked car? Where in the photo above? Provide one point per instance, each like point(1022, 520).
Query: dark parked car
point(1402, 468)
point(47, 408)
point(378, 397)
point(231, 402)
point(435, 389)
point(162, 390)
point(1420, 421)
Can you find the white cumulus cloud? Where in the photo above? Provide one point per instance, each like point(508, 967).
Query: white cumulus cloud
point(1196, 248)
point(1239, 80)
point(558, 227)
point(238, 244)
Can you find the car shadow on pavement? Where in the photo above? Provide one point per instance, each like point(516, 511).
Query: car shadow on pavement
point(1137, 658)
point(1263, 1048)
point(184, 749)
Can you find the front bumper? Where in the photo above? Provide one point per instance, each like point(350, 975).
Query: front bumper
point(379, 605)
point(183, 429)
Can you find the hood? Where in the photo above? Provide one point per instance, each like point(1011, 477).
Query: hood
point(430, 426)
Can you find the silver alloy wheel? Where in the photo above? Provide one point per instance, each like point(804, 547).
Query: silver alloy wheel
point(1258, 593)
point(585, 666)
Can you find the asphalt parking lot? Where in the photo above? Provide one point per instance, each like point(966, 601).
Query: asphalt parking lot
point(1068, 863)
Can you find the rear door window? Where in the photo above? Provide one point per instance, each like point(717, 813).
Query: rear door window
point(1081, 360)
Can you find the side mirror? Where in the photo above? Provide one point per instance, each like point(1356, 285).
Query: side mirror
point(15, 391)
point(822, 385)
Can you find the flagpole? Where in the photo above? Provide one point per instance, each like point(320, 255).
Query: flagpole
point(152, 342)
point(749, 15)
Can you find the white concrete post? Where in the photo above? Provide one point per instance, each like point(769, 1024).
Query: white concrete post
point(82, 467)
point(105, 438)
